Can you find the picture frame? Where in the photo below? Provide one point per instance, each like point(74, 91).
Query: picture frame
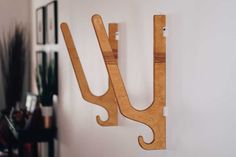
point(53, 59)
point(41, 58)
point(45, 59)
point(51, 23)
point(40, 25)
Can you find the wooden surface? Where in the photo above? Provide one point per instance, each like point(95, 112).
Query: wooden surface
point(153, 115)
point(108, 100)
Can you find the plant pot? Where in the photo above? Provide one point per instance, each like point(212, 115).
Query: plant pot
point(47, 113)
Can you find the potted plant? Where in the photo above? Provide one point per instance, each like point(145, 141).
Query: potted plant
point(46, 78)
point(14, 51)
point(13, 65)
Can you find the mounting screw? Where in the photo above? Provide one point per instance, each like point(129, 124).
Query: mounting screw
point(117, 35)
point(165, 31)
point(165, 111)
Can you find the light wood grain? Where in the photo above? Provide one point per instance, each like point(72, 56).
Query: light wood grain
point(108, 100)
point(153, 115)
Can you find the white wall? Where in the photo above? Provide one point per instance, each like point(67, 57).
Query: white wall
point(201, 77)
point(13, 12)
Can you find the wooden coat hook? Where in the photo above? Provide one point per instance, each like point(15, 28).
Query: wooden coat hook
point(153, 115)
point(108, 100)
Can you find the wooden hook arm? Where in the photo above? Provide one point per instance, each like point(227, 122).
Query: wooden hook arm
point(107, 101)
point(152, 116)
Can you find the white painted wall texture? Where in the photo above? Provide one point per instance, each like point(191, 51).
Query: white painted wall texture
point(201, 74)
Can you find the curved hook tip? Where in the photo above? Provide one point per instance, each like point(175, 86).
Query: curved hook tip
point(99, 121)
point(107, 122)
point(154, 145)
point(142, 143)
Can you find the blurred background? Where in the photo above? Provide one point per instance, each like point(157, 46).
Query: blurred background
point(40, 98)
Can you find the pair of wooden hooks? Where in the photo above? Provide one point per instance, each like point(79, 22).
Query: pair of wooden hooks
point(116, 95)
